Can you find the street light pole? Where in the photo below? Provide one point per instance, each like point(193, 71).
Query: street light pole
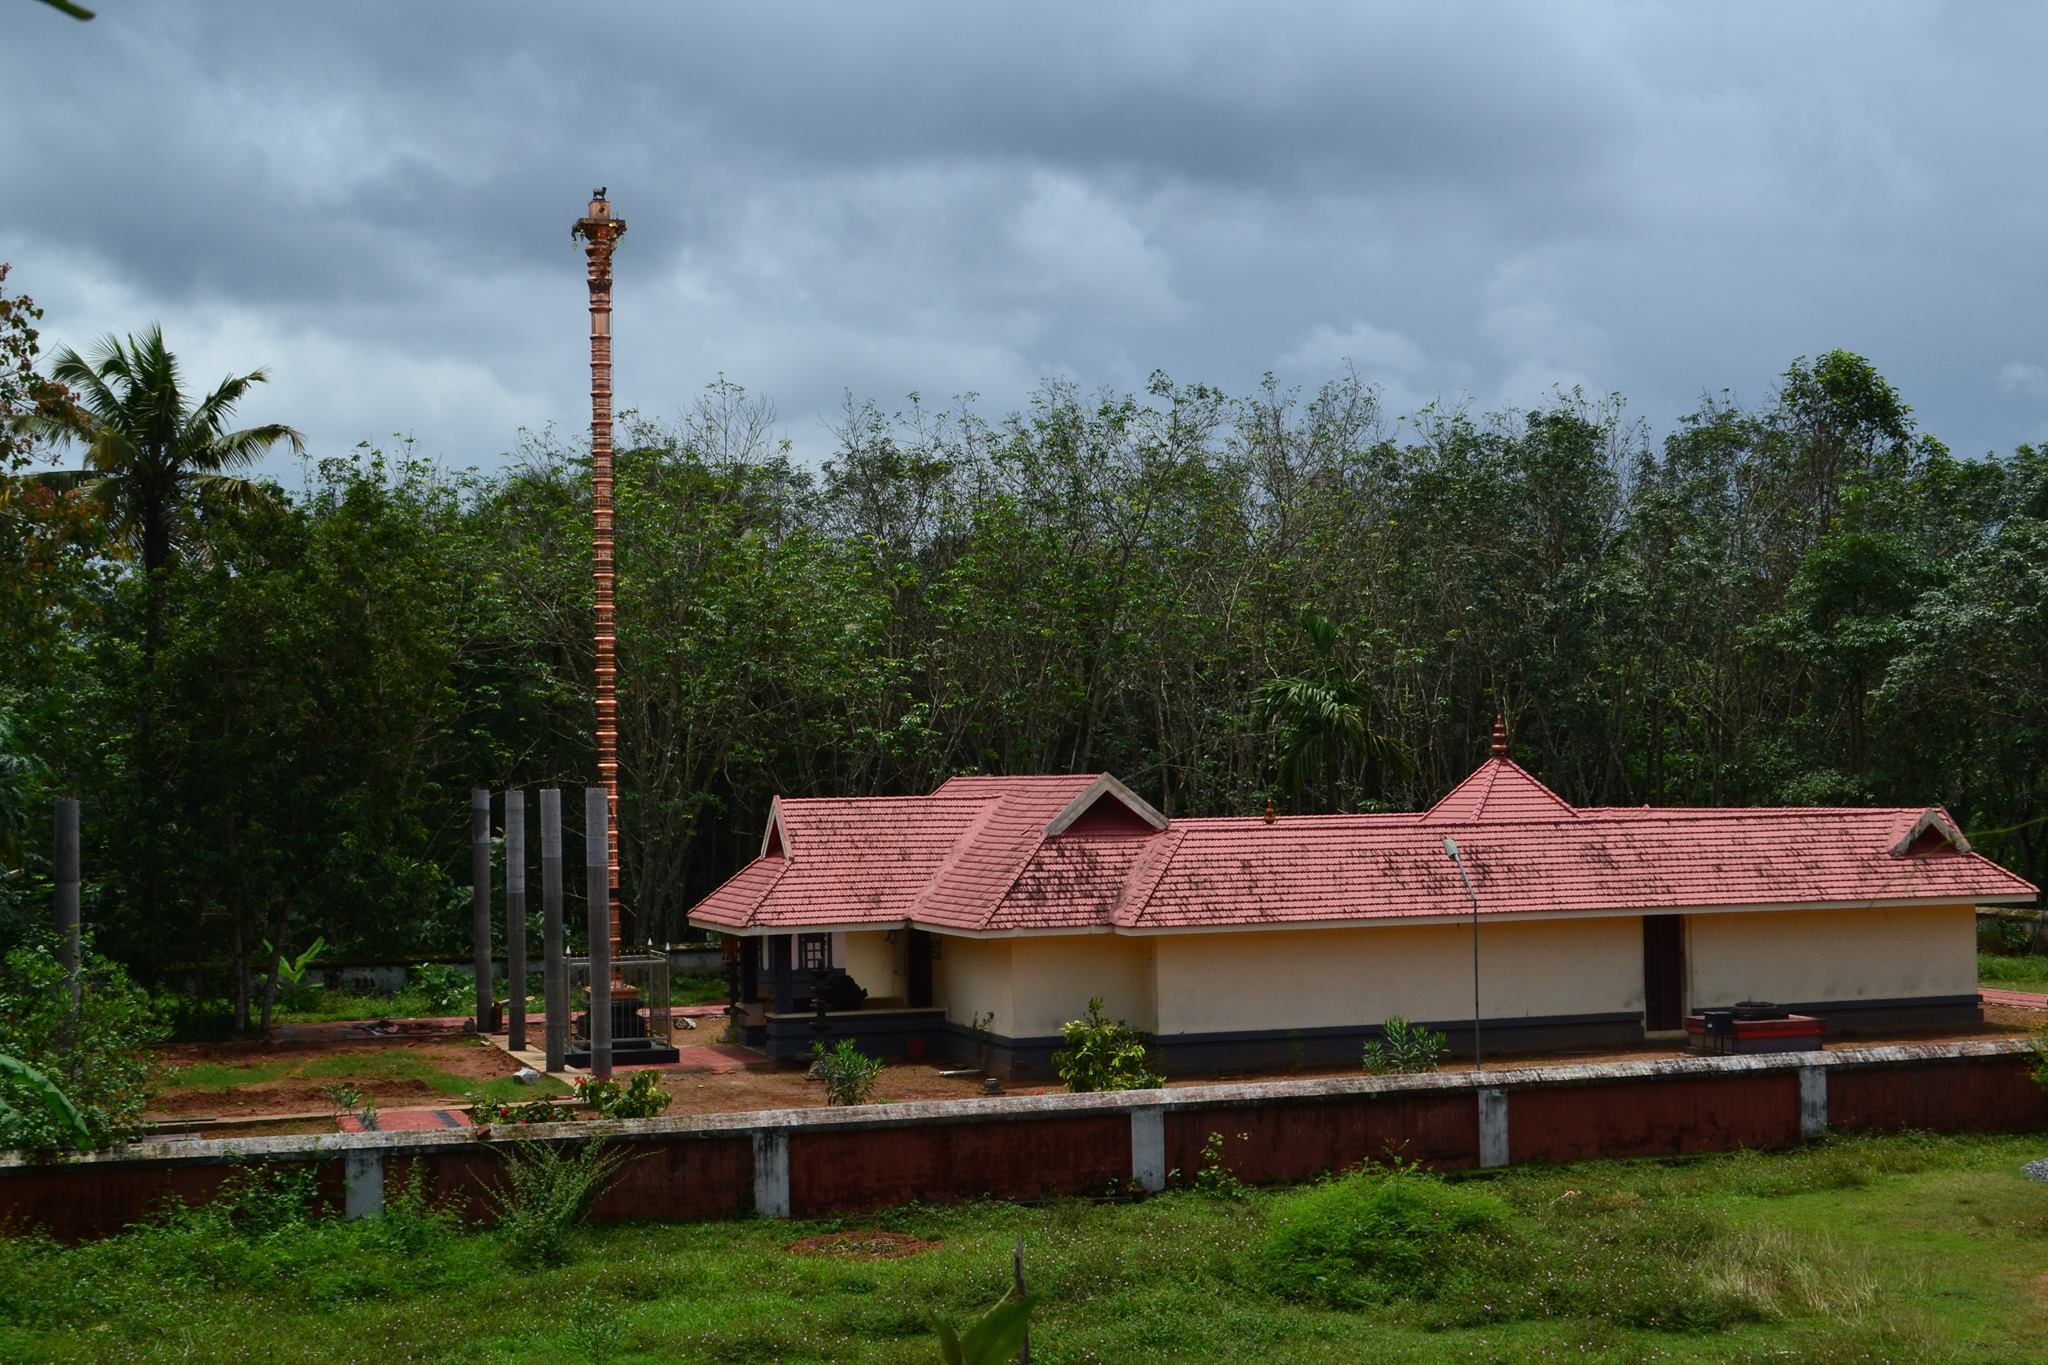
point(1451, 848)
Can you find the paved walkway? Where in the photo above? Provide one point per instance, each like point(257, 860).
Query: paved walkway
point(2024, 1000)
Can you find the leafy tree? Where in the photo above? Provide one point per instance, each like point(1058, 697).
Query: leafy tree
point(1321, 724)
point(90, 1054)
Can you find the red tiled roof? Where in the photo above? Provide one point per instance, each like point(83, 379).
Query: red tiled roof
point(975, 856)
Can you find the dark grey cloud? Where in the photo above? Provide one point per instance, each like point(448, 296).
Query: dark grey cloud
point(1462, 200)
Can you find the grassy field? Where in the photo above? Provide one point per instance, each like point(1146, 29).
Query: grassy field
point(2013, 973)
point(1901, 1249)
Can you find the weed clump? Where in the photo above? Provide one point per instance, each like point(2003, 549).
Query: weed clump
point(1379, 1234)
point(545, 1194)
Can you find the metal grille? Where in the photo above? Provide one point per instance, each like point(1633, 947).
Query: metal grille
point(646, 977)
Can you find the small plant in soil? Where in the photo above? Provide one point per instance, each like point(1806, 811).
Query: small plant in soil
point(1103, 1054)
point(1404, 1047)
point(850, 1075)
point(642, 1098)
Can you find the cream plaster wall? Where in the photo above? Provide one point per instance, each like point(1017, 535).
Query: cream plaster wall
point(1797, 956)
point(971, 977)
point(871, 960)
point(1056, 977)
point(1317, 978)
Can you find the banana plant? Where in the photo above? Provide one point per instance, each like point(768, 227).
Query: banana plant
point(54, 1099)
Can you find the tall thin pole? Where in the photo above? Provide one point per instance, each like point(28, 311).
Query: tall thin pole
point(1478, 1053)
point(600, 948)
point(600, 233)
point(554, 963)
point(480, 901)
point(515, 919)
point(67, 894)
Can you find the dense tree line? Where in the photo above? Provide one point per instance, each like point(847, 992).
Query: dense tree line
point(1221, 598)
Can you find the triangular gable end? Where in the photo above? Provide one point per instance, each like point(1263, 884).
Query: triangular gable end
point(1931, 831)
point(1126, 808)
point(775, 843)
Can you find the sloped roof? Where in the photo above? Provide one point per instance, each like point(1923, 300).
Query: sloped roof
point(1018, 854)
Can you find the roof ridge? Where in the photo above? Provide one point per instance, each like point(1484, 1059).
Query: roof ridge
point(1144, 878)
point(990, 805)
point(762, 899)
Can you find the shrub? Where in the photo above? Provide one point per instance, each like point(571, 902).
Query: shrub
point(1404, 1047)
point(643, 1098)
point(545, 1195)
point(1376, 1235)
point(96, 1062)
point(849, 1074)
point(444, 989)
point(483, 1109)
point(1103, 1054)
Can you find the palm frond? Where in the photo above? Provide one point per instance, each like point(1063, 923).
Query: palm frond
point(53, 1099)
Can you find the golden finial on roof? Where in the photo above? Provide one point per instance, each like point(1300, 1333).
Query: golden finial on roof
point(1270, 815)
point(1500, 736)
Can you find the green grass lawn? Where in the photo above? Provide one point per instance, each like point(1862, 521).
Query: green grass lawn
point(1901, 1249)
point(2013, 973)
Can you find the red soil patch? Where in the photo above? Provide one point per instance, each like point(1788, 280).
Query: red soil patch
point(868, 1244)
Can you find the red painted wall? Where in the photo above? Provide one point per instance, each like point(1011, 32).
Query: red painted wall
point(1969, 1095)
point(1648, 1117)
point(862, 1168)
point(1301, 1139)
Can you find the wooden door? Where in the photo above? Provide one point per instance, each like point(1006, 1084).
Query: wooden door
point(1663, 972)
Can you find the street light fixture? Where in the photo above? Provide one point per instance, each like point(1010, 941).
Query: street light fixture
point(1451, 848)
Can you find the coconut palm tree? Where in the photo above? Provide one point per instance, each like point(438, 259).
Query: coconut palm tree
point(156, 466)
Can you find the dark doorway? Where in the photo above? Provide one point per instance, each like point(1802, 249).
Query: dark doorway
point(1663, 972)
point(920, 950)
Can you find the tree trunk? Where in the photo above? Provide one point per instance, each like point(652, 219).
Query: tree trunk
point(284, 919)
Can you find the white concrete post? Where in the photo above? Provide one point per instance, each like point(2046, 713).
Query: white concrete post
point(1148, 1148)
point(1813, 1101)
point(771, 1173)
point(362, 1175)
point(1493, 1126)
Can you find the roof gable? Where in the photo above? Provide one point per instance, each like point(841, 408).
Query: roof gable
point(1500, 789)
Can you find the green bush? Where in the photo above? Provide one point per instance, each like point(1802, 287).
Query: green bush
point(1376, 1235)
point(444, 989)
point(1103, 1054)
point(1404, 1047)
point(849, 1074)
point(545, 1194)
point(97, 1062)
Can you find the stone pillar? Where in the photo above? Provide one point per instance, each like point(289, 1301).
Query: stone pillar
point(480, 900)
point(554, 961)
point(515, 919)
point(597, 884)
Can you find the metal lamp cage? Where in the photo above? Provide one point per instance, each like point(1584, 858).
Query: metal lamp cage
point(646, 975)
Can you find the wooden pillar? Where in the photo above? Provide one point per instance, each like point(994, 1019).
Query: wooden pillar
point(480, 901)
point(67, 894)
point(515, 919)
point(597, 887)
point(554, 962)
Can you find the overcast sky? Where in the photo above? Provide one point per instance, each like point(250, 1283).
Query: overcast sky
point(1468, 202)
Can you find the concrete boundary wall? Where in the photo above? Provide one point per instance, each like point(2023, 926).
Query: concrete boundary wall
point(812, 1162)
